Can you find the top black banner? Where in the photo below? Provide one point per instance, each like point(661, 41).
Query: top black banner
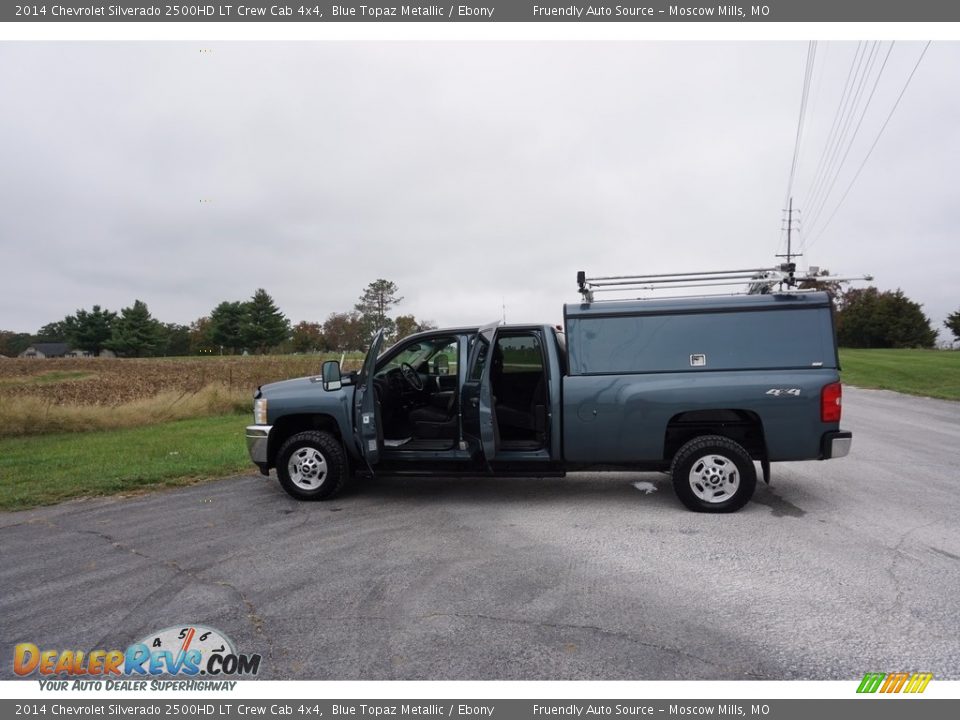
point(480, 11)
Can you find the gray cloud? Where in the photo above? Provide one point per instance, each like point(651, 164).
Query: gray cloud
point(472, 174)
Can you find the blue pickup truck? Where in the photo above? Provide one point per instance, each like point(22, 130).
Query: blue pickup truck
point(706, 388)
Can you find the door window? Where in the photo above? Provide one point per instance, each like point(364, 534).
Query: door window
point(424, 351)
point(476, 372)
point(521, 354)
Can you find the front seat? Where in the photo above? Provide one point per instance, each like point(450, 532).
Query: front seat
point(436, 420)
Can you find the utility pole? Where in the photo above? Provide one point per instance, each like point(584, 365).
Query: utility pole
point(790, 266)
point(789, 226)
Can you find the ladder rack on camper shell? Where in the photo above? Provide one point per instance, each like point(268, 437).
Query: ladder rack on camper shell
point(759, 281)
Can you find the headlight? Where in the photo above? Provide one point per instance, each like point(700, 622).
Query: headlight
point(260, 411)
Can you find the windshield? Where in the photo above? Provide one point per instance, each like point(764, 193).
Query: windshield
point(417, 353)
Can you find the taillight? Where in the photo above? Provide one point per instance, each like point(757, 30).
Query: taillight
point(830, 403)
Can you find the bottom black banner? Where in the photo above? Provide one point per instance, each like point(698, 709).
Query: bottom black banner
point(875, 708)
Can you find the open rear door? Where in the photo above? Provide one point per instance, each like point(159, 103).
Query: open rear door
point(488, 418)
point(479, 429)
point(367, 418)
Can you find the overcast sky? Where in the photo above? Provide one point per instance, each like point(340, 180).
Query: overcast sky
point(471, 174)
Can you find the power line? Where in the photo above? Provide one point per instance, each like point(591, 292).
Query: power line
point(847, 108)
point(804, 94)
point(832, 169)
point(875, 141)
point(813, 103)
point(808, 73)
point(835, 123)
point(816, 92)
point(853, 137)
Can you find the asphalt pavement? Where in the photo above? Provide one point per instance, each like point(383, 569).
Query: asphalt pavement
point(836, 569)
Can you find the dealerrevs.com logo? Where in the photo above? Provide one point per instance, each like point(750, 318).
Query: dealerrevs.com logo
point(186, 652)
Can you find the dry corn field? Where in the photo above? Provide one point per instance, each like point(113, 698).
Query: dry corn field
point(40, 396)
point(117, 381)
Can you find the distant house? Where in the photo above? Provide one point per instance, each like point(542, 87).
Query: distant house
point(46, 350)
point(61, 350)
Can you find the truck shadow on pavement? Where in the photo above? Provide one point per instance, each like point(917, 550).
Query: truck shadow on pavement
point(627, 489)
point(606, 487)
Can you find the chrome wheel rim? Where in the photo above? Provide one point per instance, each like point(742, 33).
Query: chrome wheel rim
point(307, 468)
point(714, 478)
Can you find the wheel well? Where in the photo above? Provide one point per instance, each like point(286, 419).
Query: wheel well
point(289, 425)
point(741, 426)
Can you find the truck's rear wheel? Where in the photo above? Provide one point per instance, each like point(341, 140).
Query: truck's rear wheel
point(712, 473)
point(311, 466)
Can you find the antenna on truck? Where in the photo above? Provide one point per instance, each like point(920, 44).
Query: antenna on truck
point(759, 281)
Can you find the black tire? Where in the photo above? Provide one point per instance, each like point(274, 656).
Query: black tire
point(317, 480)
point(713, 474)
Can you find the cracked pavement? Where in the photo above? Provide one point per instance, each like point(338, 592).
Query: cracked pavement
point(837, 568)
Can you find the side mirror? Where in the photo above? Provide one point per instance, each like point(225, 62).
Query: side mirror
point(330, 373)
point(441, 365)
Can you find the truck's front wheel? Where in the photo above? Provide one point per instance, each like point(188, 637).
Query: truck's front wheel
point(311, 466)
point(712, 473)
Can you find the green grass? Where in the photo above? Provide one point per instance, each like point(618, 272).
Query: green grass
point(50, 468)
point(930, 373)
point(61, 376)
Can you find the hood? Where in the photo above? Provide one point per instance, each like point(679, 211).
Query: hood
point(306, 396)
point(294, 386)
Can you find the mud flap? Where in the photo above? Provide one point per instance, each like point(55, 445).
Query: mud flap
point(765, 467)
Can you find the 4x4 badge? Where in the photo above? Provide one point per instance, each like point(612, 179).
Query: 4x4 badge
point(777, 392)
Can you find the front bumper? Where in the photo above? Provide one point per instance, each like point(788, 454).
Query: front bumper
point(258, 438)
point(835, 444)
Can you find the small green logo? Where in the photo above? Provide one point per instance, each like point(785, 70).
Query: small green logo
point(871, 682)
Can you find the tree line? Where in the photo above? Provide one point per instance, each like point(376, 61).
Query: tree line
point(865, 318)
point(873, 318)
point(256, 325)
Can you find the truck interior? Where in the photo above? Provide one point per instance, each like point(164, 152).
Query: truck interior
point(418, 393)
point(519, 387)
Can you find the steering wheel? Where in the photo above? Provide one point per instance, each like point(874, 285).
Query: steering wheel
point(411, 376)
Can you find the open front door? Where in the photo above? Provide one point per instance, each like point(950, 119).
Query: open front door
point(479, 429)
point(367, 418)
